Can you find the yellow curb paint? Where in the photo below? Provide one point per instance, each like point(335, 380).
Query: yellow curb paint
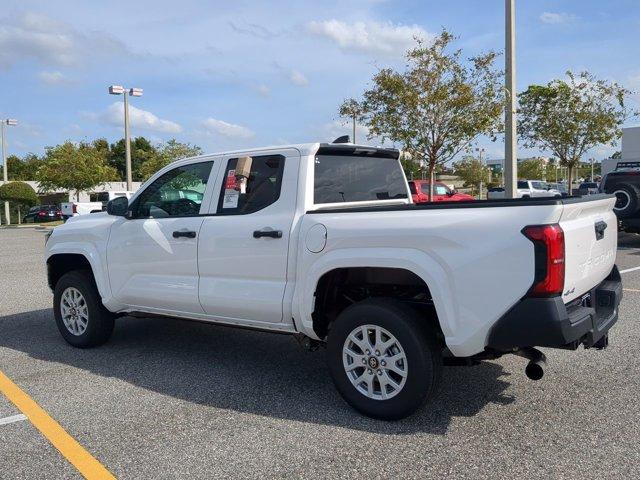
point(82, 460)
point(630, 290)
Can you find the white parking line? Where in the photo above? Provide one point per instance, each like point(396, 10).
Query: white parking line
point(630, 270)
point(12, 419)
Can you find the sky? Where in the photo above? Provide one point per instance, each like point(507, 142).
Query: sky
point(233, 74)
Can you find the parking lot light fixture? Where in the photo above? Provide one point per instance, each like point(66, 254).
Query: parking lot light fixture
point(7, 122)
point(126, 92)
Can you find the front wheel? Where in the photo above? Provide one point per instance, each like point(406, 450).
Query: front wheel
point(384, 358)
point(81, 318)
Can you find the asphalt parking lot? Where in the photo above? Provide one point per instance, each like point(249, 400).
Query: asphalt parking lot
point(177, 399)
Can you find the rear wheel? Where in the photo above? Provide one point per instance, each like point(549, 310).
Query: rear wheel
point(81, 318)
point(384, 358)
point(627, 200)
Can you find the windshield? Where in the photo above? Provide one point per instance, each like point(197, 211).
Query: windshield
point(352, 178)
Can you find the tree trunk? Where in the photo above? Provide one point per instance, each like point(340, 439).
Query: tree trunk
point(432, 168)
point(19, 216)
point(77, 195)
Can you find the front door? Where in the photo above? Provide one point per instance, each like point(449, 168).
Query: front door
point(153, 254)
point(244, 246)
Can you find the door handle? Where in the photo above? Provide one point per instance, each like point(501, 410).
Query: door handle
point(184, 233)
point(267, 233)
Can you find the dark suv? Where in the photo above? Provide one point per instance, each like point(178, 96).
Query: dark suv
point(43, 213)
point(624, 183)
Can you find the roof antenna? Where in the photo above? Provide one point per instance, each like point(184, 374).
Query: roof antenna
point(342, 139)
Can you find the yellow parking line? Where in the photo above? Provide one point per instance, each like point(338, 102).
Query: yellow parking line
point(86, 464)
point(631, 290)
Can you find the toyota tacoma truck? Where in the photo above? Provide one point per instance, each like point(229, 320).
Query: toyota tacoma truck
point(322, 241)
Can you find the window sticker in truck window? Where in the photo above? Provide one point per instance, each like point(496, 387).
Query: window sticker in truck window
point(231, 193)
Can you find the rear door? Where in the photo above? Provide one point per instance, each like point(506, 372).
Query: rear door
point(591, 239)
point(244, 243)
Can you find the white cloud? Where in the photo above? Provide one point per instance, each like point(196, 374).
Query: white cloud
point(263, 90)
point(225, 129)
point(139, 118)
point(35, 36)
point(369, 37)
point(298, 78)
point(556, 18)
point(53, 78)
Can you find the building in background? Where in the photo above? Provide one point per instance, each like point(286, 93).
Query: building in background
point(630, 151)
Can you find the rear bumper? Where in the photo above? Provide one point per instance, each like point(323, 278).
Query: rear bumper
point(548, 322)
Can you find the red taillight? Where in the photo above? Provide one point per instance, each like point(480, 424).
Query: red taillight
point(42, 214)
point(549, 258)
point(74, 209)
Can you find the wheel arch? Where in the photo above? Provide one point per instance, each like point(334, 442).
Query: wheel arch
point(396, 271)
point(60, 263)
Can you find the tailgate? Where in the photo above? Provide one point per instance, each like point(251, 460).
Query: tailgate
point(67, 209)
point(591, 239)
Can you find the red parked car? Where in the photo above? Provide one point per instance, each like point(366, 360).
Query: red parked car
point(441, 193)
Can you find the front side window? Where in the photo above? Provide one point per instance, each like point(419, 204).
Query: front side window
point(250, 184)
point(347, 178)
point(177, 193)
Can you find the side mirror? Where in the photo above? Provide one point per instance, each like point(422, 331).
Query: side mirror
point(118, 207)
point(451, 193)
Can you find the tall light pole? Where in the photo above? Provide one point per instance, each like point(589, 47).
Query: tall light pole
point(480, 152)
point(510, 131)
point(10, 122)
point(134, 92)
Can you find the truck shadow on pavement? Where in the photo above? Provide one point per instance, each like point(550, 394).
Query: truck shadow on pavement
point(245, 371)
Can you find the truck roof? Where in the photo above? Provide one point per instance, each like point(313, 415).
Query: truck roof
point(309, 149)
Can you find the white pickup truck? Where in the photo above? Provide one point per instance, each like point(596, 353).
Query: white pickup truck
point(526, 189)
point(322, 241)
point(97, 203)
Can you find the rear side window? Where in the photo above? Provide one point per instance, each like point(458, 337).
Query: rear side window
point(522, 184)
point(340, 178)
point(412, 188)
point(250, 184)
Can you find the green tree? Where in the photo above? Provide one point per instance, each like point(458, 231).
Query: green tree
point(23, 168)
point(569, 117)
point(167, 153)
point(411, 169)
point(438, 105)
point(19, 193)
point(74, 168)
point(141, 151)
point(472, 171)
point(532, 169)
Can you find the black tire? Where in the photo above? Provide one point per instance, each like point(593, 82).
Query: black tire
point(420, 345)
point(101, 321)
point(627, 200)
